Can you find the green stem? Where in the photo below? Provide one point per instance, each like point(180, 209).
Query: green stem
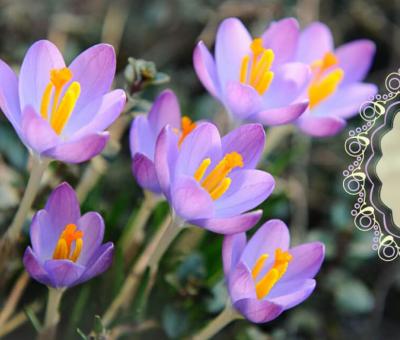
point(134, 232)
point(149, 258)
point(228, 315)
point(38, 168)
point(52, 316)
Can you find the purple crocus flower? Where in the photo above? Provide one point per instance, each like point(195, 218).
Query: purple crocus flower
point(255, 79)
point(61, 112)
point(336, 91)
point(144, 132)
point(264, 276)
point(66, 248)
point(210, 181)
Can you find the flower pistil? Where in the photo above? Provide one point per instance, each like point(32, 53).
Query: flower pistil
point(278, 269)
point(61, 108)
point(327, 77)
point(217, 182)
point(256, 72)
point(63, 249)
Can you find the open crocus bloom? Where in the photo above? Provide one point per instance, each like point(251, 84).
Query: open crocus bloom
point(211, 182)
point(253, 78)
point(61, 112)
point(66, 248)
point(144, 132)
point(265, 277)
point(336, 90)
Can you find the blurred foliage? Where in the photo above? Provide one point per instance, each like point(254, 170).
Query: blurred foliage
point(356, 293)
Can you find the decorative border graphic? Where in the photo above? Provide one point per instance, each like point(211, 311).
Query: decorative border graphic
point(360, 179)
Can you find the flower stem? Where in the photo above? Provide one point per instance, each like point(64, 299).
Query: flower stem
point(148, 259)
point(275, 136)
point(52, 316)
point(133, 234)
point(228, 315)
point(38, 168)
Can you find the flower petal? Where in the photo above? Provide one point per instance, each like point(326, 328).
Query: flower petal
point(282, 115)
point(79, 150)
point(355, 58)
point(232, 248)
point(63, 273)
point(189, 200)
point(315, 40)
point(142, 138)
point(281, 37)
point(63, 208)
point(94, 69)
point(306, 261)
point(249, 188)
point(347, 100)
point(231, 45)
point(92, 225)
point(203, 142)
point(258, 311)
point(230, 225)
point(289, 83)
point(240, 283)
point(248, 140)
point(293, 295)
point(9, 99)
point(41, 58)
point(165, 111)
point(270, 236)
point(97, 116)
point(35, 268)
point(145, 173)
point(165, 157)
point(241, 100)
point(320, 126)
point(37, 132)
point(100, 262)
point(205, 68)
point(44, 235)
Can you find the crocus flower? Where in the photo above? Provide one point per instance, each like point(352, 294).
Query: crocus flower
point(265, 277)
point(336, 91)
point(144, 132)
point(254, 78)
point(66, 248)
point(61, 112)
point(210, 181)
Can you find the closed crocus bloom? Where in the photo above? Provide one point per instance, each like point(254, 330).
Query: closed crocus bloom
point(66, 247)
point(336, 90)
point(210, 181)
point(254, 78)
point(61, 112)
point(265, 277)
point(144, 132)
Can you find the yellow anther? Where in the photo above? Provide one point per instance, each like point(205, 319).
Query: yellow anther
point(44, 106)
point(77, 250)
point(63, 248)
point(243, 69)
point(64, 111)
point(259, 265)
point(257, 74)
point(61, 108)
point(216, 183)
point(198, 175)
point(223, 168)
point(187, 126)
point(221, 188)
point(278, 269)
point(321, 89)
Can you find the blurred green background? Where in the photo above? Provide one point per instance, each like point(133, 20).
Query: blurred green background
point(356, 294)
